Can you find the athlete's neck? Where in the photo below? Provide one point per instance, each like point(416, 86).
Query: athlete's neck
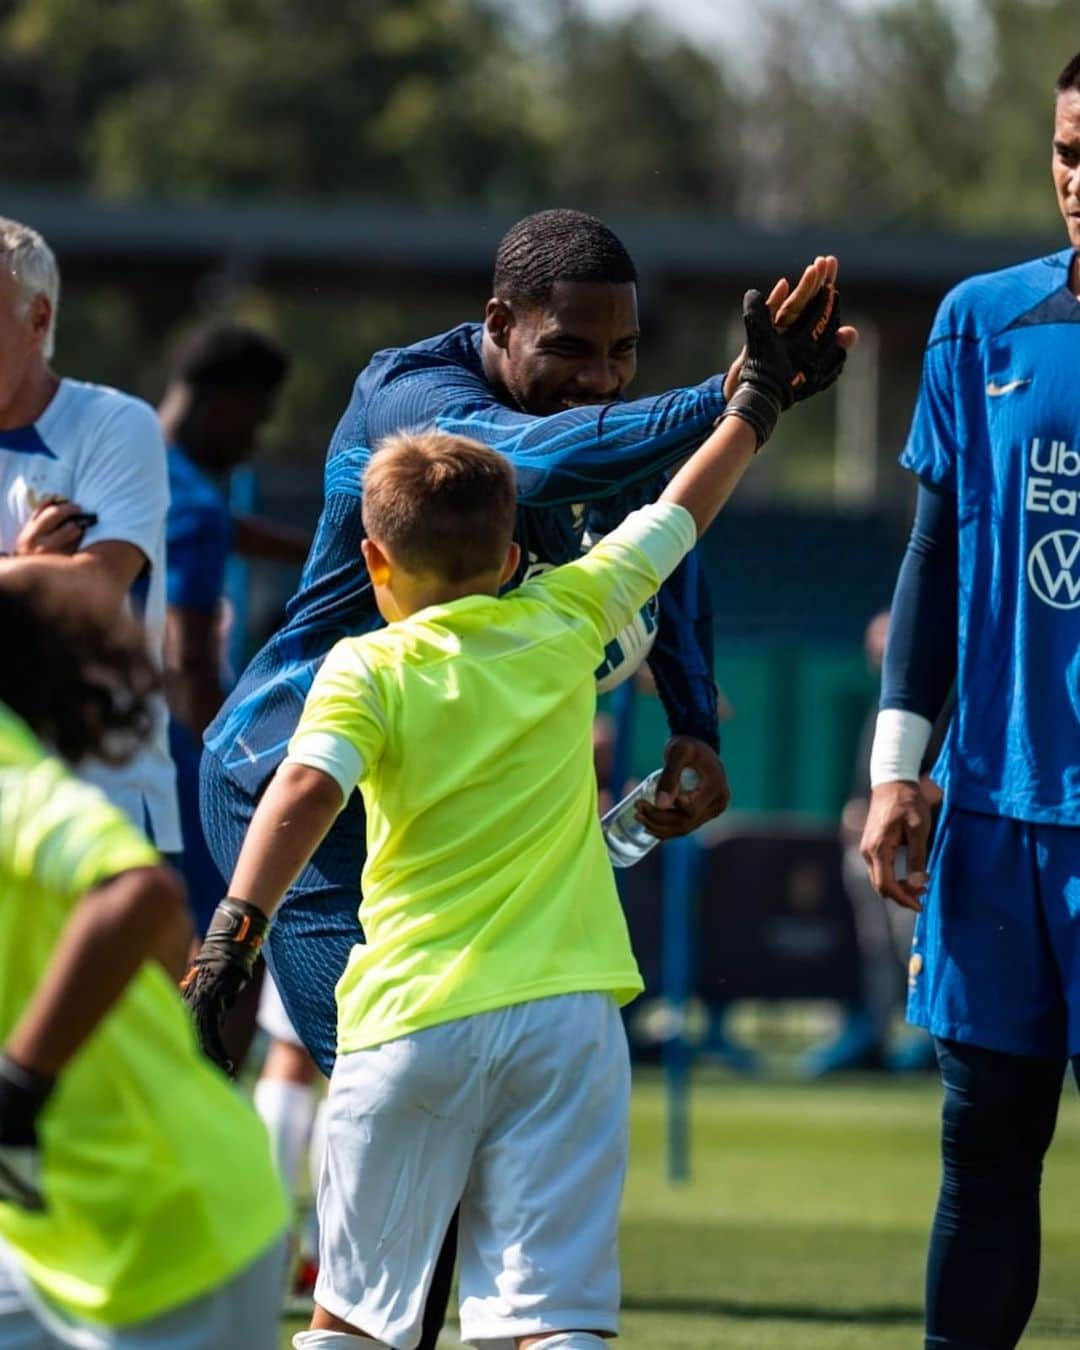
point(416, 595)
point(33, 394)
point(1074, 275)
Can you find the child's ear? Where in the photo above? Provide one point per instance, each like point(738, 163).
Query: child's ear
point(378, 564)
point(510, 566)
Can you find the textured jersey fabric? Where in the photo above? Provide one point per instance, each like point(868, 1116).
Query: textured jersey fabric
point(563, 462)
point(103, 449)
point(157, 1174)
point(998, 424)
point(469, 726)
point(199, 536)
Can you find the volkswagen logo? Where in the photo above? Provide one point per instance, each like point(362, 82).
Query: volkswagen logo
point(1054, 569)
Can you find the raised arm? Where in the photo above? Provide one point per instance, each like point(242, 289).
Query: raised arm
point(572, 456)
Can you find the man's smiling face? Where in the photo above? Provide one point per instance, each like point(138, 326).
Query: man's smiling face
point(579, 347)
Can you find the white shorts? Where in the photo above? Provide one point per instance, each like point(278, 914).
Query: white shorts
point(272, 1017)
point(520, 1115)
point(241, 1312)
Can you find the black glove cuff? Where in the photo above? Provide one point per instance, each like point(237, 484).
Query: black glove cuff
point(237, 931)
point(23, 1093)
point(756, 406)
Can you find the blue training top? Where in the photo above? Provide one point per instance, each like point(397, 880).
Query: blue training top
point(198, 535)
point(998, 424)
point(562, 461)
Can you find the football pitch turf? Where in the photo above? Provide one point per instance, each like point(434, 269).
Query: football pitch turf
point(804, 1221)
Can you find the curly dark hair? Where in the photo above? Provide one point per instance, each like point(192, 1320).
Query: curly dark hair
point(81, 683)
point(557, 245)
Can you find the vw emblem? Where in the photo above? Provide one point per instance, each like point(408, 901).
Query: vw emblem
point(1054, 569)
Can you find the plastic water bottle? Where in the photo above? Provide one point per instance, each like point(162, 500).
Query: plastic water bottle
point(626, 837)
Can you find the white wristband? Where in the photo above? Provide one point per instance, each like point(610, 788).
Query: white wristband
point(900, 741)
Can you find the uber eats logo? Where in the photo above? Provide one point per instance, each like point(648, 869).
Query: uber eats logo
point(1049, 460)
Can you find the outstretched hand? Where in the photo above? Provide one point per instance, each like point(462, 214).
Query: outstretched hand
point(786, 305)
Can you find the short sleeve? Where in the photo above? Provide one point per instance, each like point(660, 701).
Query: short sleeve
point(198, 540)
point(933, 443)
point(342, 729)
point(64, 835)
point(608, 585)
point(123, 478)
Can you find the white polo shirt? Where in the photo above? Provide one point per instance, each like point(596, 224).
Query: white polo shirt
point(104, 450)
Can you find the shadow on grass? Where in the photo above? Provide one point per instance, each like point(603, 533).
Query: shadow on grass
point(772, 1312)
point(881, 1316)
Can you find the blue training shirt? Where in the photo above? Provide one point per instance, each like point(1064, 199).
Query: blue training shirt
point(198, 533)
point(998, 424)
point(562, 461)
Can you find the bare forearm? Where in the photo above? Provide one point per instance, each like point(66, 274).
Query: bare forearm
point(138, 916)
point(294, 814)
point(194, 697)
point(705, 482)
point(270, 540)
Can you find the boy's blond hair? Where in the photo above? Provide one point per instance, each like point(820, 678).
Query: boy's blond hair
point(442, 504)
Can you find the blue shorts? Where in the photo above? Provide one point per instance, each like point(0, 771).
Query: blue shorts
point(316, 926)
point(995, 960)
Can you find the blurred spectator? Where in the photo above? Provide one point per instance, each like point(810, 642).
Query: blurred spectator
point(884, 930)
point(83, 495)
point(223, 384)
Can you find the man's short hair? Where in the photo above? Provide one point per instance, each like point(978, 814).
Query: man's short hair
point(553, 246)
point(29, 262)
point(224, 355)
point(1069, 79)
point(442, 505)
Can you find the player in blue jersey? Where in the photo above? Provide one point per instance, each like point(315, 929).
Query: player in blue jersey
point(989, 596)
point(542, 379)
point(223, 383)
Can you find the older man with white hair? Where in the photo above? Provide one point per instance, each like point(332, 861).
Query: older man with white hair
point(83, 490)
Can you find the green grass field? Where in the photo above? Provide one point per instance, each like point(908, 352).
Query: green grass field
point(804, 1221)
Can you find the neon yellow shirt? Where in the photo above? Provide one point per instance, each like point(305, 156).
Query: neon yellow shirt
point(156, 1174)
point(469, 729)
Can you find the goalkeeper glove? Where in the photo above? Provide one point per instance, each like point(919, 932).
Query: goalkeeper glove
point(221, 969)
point(783, 367)
point(22, 1096)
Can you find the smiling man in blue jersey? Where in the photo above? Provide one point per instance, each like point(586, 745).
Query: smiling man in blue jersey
point(542, 379)
point(989, 596)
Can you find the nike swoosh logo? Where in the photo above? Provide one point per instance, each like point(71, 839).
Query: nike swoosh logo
point(996, 390)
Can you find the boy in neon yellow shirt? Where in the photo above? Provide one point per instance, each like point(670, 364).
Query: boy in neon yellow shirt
point(138, 1203)
point(481, 1055)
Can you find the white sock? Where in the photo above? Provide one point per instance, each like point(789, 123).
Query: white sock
point(287, 1110)
point(334, 1340)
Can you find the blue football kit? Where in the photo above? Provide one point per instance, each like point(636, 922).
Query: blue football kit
point(996, 960)
point(579, 472)
point(198, 534)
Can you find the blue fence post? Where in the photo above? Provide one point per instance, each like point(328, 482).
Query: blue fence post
point(237, 572)
point(678, 876)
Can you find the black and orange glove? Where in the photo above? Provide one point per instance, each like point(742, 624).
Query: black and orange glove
point(23, 1094)
point(784, 366)
point(221, 969)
